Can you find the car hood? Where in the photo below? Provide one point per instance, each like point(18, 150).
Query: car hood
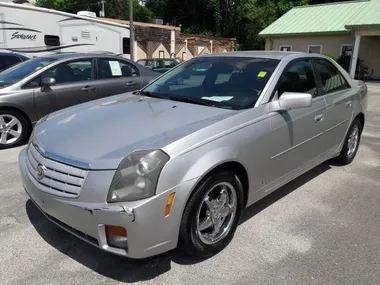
point(99, 134)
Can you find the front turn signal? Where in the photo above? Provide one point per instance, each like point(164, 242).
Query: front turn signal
point(169, 204)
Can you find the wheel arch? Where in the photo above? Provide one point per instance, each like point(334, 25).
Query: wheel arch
point(361, 118)
point(19, 110)
point(233, 165)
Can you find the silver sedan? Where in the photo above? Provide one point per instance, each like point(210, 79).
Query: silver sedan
point(175, 164)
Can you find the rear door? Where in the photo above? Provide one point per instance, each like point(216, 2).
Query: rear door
point(116, 76)
point(74, 85)
point(339, 97)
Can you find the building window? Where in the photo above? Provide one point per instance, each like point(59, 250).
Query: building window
point(161, 54)
point(315, 49)
point(126, 46)
point(51, 40)
point(184, 55)
point(346, 50)
point(285, 48)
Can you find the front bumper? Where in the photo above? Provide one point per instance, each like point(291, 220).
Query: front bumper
point(149, 232)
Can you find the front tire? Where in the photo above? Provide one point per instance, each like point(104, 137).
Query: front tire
point(14, 128)
point(351, 143)
point(212, 215)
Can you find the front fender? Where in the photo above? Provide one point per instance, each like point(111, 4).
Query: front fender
point(195, 165)
point(20, 102)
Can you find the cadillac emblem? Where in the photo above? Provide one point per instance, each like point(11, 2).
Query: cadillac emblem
point(40, 171)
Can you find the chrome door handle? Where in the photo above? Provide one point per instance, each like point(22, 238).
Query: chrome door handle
point(88, 88)
point(349, 104)
point(318, 118)
point(130, 83)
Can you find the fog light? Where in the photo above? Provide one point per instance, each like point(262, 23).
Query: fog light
point(116, 236)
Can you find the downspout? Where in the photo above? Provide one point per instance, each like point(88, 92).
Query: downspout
point(353, 46)
point(271, 43)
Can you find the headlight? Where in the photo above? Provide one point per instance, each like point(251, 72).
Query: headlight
point(137, 176)
point(43, 119)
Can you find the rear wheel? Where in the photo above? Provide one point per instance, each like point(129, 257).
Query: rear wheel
point(212, 215)
point(351, 144)
point(14, 128)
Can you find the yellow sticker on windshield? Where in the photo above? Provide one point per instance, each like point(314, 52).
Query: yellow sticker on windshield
point(261, 74)
point(38, 67)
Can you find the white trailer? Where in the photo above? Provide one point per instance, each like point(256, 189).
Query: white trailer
point(38, 31)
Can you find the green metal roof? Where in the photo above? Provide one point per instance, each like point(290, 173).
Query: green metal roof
point(368, 16)
point(316, 19)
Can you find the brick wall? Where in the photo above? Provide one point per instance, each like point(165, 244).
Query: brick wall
point(149, 36)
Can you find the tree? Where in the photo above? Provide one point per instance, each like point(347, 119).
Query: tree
point(118, 9)
point(242, 19)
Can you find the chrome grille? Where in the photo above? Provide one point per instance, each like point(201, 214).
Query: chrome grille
point(59, 179)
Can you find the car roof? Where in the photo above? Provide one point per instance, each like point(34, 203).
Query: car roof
point(157, 59)
point(12, 54)
point(265, 54)
point(74, 55)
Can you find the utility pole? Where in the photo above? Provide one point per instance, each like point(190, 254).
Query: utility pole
point(102, 12)
point(131, 29)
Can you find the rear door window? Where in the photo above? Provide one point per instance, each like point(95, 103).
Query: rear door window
point(113, 68)
point(331, 78)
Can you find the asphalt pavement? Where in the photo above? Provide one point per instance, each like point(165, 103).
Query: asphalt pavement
point(322, 228)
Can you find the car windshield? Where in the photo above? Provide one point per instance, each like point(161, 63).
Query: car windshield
point(225, 82)
point(22, 70)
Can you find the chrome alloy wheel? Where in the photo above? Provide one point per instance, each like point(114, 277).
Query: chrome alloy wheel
point(217, 212)
point(353, 140)
point(10, 129)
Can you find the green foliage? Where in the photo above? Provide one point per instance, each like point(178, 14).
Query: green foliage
point(240, 19)
point(344, 61)
point(118, 9)
point(330, 55)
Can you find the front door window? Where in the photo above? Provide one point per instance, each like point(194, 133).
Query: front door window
point(298, 77)
point(70, 72)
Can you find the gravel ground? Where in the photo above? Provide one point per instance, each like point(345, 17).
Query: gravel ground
point(322, 228)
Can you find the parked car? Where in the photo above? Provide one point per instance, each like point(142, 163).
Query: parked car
point(176, 164)
point(160, 65)
point(8, 59)
point(46, 84)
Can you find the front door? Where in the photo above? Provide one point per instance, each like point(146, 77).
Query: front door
point(74, 85)
point(339, 98)
point(297, 135)
point(116, 76)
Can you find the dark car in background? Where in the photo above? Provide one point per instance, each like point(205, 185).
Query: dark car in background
point(8, 59)
point(42, 85)
point(160, 65)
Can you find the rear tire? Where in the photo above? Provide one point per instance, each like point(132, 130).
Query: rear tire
point(219, 199)
point(14, 128)
point(351, 143)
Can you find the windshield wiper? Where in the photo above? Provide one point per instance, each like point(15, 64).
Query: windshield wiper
point(148, 94)
point(192, 100)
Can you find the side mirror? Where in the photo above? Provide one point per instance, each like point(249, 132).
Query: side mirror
point(292, 100)
point(48, 81)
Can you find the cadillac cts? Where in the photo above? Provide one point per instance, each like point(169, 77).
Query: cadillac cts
point(175, 163)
